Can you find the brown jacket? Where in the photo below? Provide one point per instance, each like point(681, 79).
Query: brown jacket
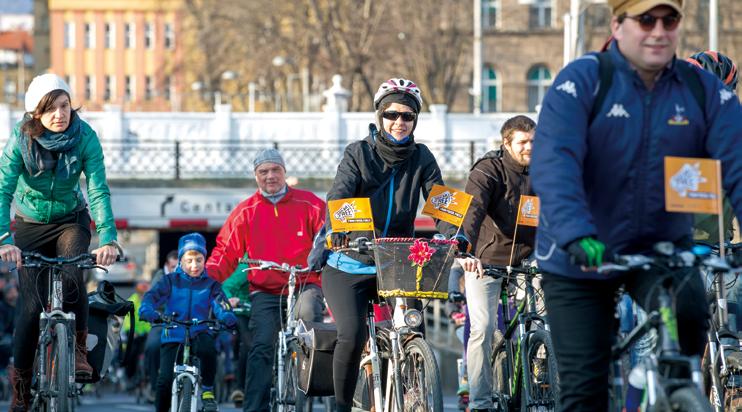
point(496, 182)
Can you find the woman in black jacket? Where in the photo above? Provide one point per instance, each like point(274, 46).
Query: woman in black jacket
point(391, 169)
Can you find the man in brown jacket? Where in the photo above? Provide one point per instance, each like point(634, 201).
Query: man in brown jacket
point(496, 182)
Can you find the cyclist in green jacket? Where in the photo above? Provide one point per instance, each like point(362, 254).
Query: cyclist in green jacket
point(40, 169)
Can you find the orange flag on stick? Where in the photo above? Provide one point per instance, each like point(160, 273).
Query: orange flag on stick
point(447, 204)
point(528, 209)
point(348, 215)
point(692, 185)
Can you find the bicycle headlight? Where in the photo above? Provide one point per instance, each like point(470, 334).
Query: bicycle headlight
point(413, 318)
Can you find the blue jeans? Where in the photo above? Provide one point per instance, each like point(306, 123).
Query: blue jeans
point(265, 322)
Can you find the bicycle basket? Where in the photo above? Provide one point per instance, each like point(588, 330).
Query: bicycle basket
point(413, 268)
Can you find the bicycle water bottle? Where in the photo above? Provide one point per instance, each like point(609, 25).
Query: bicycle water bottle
point(635, 392)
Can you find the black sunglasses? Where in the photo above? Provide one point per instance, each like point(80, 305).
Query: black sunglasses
point(647, 21)
point(394, 115)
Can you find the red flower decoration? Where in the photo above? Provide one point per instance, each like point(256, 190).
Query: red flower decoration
point(420, 253)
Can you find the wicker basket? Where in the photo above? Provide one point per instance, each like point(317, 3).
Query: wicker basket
point(413, 268)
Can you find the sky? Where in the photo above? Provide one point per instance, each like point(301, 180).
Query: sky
point(16, 6)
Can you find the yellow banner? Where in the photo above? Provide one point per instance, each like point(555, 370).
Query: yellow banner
point(692, 185)
point(447, 204)
point(528, 209)
point(349, 215)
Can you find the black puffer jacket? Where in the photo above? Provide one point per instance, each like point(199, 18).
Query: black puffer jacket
point(364, 173)
point(496, 182)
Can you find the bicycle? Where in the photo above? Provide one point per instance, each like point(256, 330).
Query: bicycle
point(398, 351)
point(673, 381)
point(54, 368)
point(723, 376)
point(285, 394)
point(525, 370)
point(187, 377)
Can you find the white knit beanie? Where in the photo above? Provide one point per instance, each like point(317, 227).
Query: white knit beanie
point(40, 86)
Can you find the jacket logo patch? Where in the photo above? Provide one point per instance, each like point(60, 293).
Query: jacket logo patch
point(725, 95)
point(569, 88)
point(300, 233)
point(678, 119)
point(618, 111)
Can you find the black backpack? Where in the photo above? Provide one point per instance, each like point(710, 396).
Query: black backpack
point(606, 70)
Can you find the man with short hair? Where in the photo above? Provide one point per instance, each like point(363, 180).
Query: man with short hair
point(496, 182)
point(278, 223)
point(598, 170)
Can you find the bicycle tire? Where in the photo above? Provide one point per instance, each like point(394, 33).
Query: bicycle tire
point(59, 370)
point(421, 380)
point(540, 387)
point(689, 399)
point(186, 395)
point(501, 372)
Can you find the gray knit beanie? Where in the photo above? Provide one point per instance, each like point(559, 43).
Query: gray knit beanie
point(268, 156)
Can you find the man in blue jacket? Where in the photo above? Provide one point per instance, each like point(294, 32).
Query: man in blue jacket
point(599, 174)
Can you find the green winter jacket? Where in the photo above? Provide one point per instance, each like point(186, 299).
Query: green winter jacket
point(238, 286)
point(46, 198)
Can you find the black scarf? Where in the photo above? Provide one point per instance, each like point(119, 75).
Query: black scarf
point(393, 154)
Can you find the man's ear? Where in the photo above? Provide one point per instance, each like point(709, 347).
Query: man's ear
point(615, 27)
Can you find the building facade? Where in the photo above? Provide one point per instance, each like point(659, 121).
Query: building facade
point(122, 52)
point(523, 44)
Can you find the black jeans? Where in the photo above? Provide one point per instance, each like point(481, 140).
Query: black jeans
point(131, 362)
point(152, 355)
point(69, 237)
point(583, 327)
point(243, 349)
point(202, 346)
point(265, 322)
point(347, 296)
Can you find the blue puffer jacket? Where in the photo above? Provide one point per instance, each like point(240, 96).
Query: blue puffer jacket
point(606, 179)
point(190, 298)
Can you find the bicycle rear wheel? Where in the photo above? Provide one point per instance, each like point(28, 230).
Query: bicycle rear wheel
point(58, 369)
point(540, 379)
point(421, 380)
point(689, 399)
point(289, 398)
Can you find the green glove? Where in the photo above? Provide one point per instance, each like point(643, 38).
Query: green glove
point(586, 251)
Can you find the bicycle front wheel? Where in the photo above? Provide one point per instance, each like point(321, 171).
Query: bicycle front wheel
point(185, 397)
point(58, 368)
point(420, 378)
point(540, 379)
point(689, 399)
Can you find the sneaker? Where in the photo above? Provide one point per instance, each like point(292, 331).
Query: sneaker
point(237, 396)
point(208, 402)
point(463, 389)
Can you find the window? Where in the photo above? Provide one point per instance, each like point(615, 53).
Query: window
point(166, 84)
point(149, 35)
point(169, 36)
point(89, 87)
point(110, 91)
point(538, 80)
point(490, 99)
point(110, 36)
point(490, 13)
point(70, 82)
point(89, 35)
point(539, 16)
point(128, 88)
point(148, 88)
point(130, 39)
point(9, 88)
point(69, 35)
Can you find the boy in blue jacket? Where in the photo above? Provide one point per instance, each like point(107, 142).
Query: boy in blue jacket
point(188, 293)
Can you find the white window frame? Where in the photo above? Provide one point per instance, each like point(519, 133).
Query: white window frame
point(169, 36)
point(487, 5)
point(110, 34)
point(149, 36)
point(486, 84)
point(89, 35)
point(541, 83)
point(69, 35)
point(130, 35)
point(541, 6)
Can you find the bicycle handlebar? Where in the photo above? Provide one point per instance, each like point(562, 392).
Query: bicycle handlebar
point(624, 263)
point(505, 270)
point(82, 261)
point(169, 322)
point(268, 265)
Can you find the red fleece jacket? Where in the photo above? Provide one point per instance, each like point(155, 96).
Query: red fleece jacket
point(282, 233)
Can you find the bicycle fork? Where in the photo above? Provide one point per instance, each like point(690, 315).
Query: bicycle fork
point(396, 378)
point(375, 365)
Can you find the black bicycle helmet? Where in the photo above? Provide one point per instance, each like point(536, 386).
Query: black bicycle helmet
point(719, 64)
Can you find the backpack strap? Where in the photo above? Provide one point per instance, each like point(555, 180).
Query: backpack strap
point(605, 78)
point(690, 77)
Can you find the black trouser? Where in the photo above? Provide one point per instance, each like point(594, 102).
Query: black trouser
point(347, 296)
point(152, 355)
point(68, 238)
point(583, 327)
point(203, 347)
point(131, 362)
point(243, 348)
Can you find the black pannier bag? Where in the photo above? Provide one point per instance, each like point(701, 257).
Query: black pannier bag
point(104, 306)
point(316, 345)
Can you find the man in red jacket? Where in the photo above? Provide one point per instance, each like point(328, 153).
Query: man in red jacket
point(277, 223)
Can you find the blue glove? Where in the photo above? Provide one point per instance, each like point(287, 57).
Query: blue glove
point(149, 315)
point(229, 319)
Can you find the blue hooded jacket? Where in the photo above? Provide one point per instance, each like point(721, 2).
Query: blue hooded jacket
point(605, 178)
point(190, 298)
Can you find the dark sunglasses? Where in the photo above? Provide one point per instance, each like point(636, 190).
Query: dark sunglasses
point(647, 21)
point(394, 115)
